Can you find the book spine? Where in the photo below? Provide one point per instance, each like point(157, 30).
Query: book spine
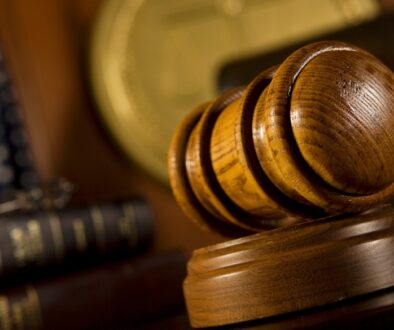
point(108, 297)
point(31, 242)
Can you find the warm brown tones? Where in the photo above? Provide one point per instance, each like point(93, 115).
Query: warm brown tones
point(46, 44)
point(290, 269)
point(310, 138)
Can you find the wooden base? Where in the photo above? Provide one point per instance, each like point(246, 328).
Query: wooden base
point(291, 269)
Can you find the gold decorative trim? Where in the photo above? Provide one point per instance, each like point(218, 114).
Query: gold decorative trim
point(34, 307)
point(98, 225)
point(127, 224)
point(57, 234)
point(5, 319)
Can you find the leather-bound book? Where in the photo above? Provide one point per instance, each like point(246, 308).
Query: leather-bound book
point(108, 297)
point(36, 242)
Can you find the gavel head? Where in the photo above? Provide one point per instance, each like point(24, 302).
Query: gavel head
point(310, 138)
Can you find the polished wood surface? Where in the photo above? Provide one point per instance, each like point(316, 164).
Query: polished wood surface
point(309, 138)
point(291, 269)
point(301, 147)
point(45, 43)
point(373, 311)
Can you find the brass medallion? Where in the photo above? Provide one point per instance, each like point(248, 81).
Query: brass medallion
point(154, 60)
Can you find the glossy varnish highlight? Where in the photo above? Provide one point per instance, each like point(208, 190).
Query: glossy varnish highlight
point(290, 269)
point(310, 138)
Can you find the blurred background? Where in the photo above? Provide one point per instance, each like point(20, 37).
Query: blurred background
point(91, 92)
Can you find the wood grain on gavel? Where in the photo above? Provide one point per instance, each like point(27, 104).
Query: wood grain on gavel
point(309, 138)
point(310, 141)
point(291, 269)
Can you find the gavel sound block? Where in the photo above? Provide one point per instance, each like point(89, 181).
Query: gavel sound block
point(304, 149)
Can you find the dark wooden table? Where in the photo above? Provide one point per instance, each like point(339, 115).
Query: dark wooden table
point(374, 311)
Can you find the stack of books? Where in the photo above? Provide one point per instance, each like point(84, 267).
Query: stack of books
point(67, 267)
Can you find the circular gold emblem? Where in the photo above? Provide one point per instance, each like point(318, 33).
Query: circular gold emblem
point(153, 60)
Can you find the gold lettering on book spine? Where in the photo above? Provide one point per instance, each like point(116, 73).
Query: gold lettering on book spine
point(127, 225)
point(79, 234)
point(27, 244)
point(17, 315)
point(98, 225)
point(21, 311)
point(5, 318)
point(33, 307)
point(57, 234)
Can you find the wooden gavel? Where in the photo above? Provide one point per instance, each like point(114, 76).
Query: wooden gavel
point(310, 138)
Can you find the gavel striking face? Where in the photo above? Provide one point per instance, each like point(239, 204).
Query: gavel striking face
point(310, 138)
